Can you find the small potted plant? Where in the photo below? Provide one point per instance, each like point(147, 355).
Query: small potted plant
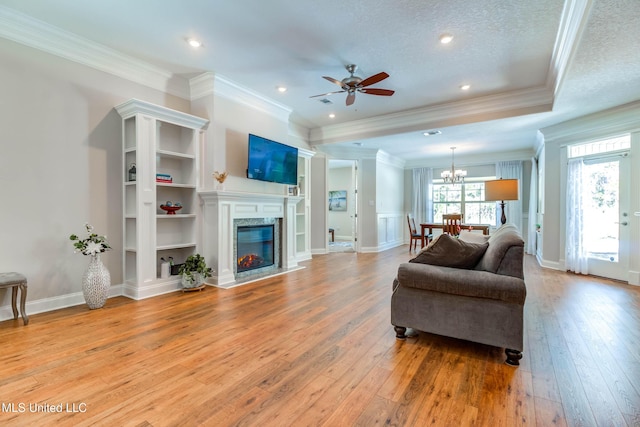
point(194, 271)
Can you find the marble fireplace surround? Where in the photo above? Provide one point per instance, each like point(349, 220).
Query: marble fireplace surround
point(221, 212)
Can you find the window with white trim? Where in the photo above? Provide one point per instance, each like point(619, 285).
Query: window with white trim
point(618, 143)
point(466, 198)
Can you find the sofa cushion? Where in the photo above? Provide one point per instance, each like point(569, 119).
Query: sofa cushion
point(449, 251)
point(471, 283)
point(471, 237)
point(505, 253)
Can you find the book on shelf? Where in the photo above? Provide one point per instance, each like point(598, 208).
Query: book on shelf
point(162, 177)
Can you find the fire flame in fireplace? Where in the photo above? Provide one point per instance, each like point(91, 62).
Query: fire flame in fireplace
point(250, 261)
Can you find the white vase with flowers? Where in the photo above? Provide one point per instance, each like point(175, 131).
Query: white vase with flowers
point(96, 280)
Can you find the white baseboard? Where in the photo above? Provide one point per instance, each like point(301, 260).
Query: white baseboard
point(553, 265)
point(144, 292)
point(54, 303)
point(380, 248)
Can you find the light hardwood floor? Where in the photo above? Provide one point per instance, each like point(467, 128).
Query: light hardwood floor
point(315, 347)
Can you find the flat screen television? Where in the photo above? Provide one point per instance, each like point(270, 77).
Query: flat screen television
point(272, 161)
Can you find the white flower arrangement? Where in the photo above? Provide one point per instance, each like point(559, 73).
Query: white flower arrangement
point(92, 245)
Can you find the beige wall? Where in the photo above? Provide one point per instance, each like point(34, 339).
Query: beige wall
point(60, 167)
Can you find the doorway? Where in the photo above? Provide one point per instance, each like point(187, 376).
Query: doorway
point(342, 205)
point(606, 216)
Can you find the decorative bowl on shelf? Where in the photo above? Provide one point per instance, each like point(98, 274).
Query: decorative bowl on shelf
point(171, 210)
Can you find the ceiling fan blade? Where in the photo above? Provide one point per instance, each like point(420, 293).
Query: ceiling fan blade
point(334, 81)
point(374, 91)
point(351, 98)
point(373, 79)
point(327, 94)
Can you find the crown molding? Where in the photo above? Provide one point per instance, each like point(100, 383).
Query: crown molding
point(347, 153)
point(358, 153)
point(490, 107)
point(201, 85)
point(307, 154)
point(387, 159)
point(617, 120)
point(226, 88)
point(573, 22)
point(37, 34)
point(476, 160)
point(298, 131)
point(136, 106)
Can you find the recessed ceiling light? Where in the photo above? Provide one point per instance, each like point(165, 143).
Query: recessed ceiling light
point(465, 87)
point(194, 43)
point(281, 89)
point(331, 116)
point(446, 38)
point(431, 132)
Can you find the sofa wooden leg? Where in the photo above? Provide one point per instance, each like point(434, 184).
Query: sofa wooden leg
point(400, 332)
point(513, 357)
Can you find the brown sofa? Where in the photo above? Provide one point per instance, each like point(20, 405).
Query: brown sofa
point(482, 303)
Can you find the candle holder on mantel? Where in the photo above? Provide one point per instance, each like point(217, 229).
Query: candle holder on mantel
point(220, 177)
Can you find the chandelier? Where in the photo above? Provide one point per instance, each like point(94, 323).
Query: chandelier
point(453, 176)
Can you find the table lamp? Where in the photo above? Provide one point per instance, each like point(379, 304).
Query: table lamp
point(501, 190)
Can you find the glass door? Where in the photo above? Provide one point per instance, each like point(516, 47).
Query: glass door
point(606, 214)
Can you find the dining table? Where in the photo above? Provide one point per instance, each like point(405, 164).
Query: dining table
point(431, 226)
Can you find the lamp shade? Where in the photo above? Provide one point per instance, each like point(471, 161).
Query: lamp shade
point(500, 190)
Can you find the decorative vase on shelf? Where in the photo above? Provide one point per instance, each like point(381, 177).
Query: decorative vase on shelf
point(96, 282)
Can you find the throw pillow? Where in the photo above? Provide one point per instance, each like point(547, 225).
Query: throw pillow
point(447, 251)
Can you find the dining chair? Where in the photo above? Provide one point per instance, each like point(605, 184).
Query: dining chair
point(451, 224)
point(413, 232)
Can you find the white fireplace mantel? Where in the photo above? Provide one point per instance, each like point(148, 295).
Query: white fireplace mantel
point(221, 208)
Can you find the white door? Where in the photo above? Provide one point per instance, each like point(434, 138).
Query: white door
point(606, 213)
point(354, 217)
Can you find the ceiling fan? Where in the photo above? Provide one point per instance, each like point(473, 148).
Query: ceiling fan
point(353, 84)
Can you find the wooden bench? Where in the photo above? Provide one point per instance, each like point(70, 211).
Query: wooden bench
point(15, 281)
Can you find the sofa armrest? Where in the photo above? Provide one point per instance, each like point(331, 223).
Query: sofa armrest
point(471, 283)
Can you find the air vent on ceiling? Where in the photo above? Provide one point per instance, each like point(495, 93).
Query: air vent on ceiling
point(325, 101)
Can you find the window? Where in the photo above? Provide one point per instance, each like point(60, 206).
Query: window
point(467, 199)
point(598, 147)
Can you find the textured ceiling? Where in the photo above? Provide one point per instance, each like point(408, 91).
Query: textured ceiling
point(605, 71)
point(506, 49)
